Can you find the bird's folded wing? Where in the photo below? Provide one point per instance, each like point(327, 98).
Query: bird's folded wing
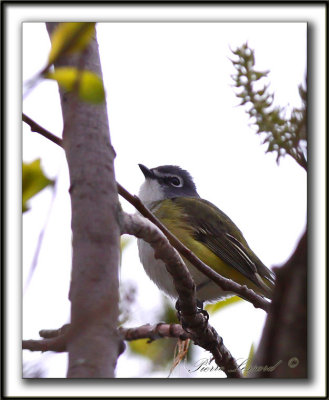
point(214, 228)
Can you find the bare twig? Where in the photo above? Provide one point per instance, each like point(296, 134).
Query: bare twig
point(55, 340)
point(40, 239)
point(147, 331)
point(57, 344)
point(39, 129)
point(154, 332)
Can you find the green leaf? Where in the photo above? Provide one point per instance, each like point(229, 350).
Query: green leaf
point(70, 37)
point(88, 84)
point(33, 181)
point(212, 308)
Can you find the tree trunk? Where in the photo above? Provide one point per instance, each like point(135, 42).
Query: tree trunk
point(93, 344)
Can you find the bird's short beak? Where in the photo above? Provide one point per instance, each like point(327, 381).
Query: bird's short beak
point(147, 172)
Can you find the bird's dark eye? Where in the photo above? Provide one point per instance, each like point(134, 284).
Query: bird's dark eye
point(175, 181)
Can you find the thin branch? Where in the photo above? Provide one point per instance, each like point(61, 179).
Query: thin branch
point(154, 332)
point(55, 340)
point(56, 344)
point(147, 331)
point(224, 283)
point(40, 239)
point(39, 129)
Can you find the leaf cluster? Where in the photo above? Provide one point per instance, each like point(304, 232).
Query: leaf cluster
point(72, 38)
point(283, 135)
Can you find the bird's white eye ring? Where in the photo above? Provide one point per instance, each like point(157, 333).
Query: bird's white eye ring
point(176, 181)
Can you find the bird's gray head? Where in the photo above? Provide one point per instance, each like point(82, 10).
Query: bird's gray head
point(166, 182)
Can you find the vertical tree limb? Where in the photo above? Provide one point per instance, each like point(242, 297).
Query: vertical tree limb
point(284, 339)
point(94, 343)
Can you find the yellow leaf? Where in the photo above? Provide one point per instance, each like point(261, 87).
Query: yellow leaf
point(88, 84)
point(212, 308)
point(70, 37)
point(144, 347)
point(33, 181)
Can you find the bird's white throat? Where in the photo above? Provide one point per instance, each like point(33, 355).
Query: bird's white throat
point(151, 191)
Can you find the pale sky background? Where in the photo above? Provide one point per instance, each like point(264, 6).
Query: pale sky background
point(170, 101)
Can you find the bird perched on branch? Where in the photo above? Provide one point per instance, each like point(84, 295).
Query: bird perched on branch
point(170, 193)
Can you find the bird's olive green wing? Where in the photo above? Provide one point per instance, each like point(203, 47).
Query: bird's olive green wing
point(216, 230)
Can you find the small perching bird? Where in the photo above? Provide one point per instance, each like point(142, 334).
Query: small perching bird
point(170, 193)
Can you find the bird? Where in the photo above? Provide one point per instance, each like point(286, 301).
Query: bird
point(170, 193)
